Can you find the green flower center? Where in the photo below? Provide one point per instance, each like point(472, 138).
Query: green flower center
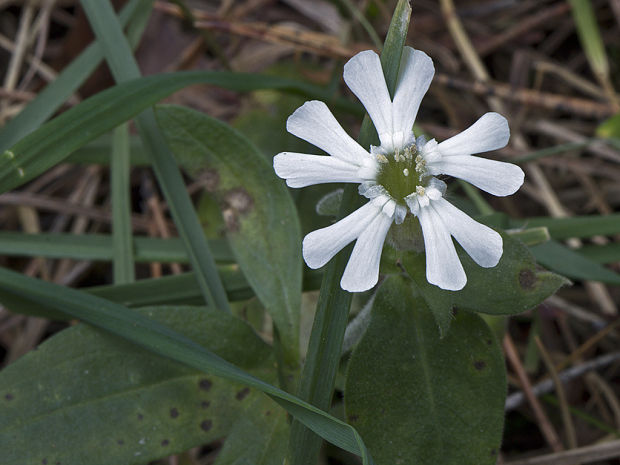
point(402, 173)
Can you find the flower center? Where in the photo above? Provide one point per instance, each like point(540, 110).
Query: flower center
point(402, 173)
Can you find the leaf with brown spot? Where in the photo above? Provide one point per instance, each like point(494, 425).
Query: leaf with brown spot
point(515, 285)
point(260, 217)
point(85, 391)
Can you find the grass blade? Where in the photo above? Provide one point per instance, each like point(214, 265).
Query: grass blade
point(140, 330)
point(124, 67)
point(121, 211)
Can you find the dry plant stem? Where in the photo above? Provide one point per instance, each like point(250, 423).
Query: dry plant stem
point(140, 223)
point(589, 454)
point(609, 394)
point(529, 97)
point(544, 424)
point(516, 399)
point(21, 44)
point(587, 345)
point(40, 29)
point(528, 24)
point(563, 134)
point(597, 290)
point(161, 227)
point(569, 427)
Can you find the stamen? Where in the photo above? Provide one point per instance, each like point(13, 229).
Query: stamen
point(406, 172)
point(382, 158)
point(420, 190)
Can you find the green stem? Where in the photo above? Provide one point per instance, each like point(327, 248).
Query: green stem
point(330, 321)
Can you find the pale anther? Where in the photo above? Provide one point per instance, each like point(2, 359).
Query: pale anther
point(406, 172)
point(420, 190)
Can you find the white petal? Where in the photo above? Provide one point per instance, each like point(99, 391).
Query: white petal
point(415, 76)
point(443, 267)
point(300, 169)
point(362, 271)
point(364, 76)
point(314, 123)
point(321, 245)
point(495, 177)
point(481, 243)
point(490, 132)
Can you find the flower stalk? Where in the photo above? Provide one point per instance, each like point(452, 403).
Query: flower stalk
point(325, 345)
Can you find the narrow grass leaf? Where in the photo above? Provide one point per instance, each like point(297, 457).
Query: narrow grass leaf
point(260, 219)
point(100, 247)
point(140, 330)
point(560, 258)
point(146, 406)
point(122, 243)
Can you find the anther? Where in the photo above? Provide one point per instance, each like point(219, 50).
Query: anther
point(406, 172)
point(382, 158)
point(420, 190)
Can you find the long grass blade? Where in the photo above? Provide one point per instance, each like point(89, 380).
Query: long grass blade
point(136, 328)
point(121, 211)
point(124, 67)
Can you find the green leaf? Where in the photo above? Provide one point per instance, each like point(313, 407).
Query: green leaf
point(418, 399)
point(577, 226)
point(88, 397)
point(121, 207)
point(261, 221)
point(610, 128)
point(95, 116)
point(258, 439)
point(99, 247)
point(161, 340)
point(513, 286)
point(560, 258)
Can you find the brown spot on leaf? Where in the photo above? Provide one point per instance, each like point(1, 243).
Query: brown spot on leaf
point(140, 416)
point(237, 202)
point(242, 394)
point(205, 384)
point(353, 418)
point(9, 396)
point(165, 442)
point(489, 342)
point(206, 425)
point(267, 413)
point(174, 413)
point(120, 442)
point(455, 310)
point(527, 279)
point(44, 461)
point(210, 179)
point(205, 404)
point(480, 365)
point(493, 452)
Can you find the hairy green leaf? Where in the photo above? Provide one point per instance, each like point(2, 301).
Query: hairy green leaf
point(89, 397)
point(261, 220)
point(513, 286)
point(418, 399)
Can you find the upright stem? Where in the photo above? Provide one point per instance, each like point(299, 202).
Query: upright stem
point(330, 321)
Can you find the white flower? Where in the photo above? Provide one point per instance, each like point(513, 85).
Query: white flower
point(398, 176)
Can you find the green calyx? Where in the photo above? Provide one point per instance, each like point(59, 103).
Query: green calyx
point(402, 173)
